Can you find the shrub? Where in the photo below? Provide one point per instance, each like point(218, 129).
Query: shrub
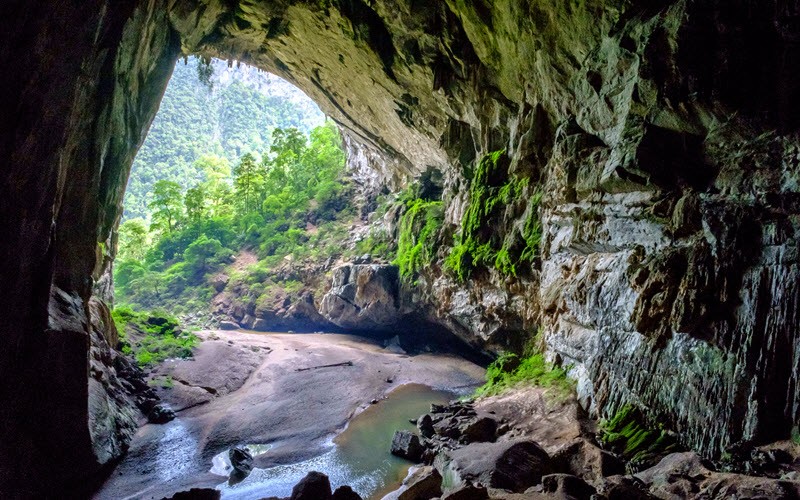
point(162, 338)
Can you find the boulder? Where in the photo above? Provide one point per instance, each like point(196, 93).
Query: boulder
point(448, 427)
point(587, 460)
point(363, 297)
point(421, 484)
point(315, 486)
point(567, 487)
point(241, 461)
point(425, 426)
point(345, 493)
point(248, 322)
point(406, 444)
point(478, 430)
point(624, 488)
point(261, 325)
point(160, 414)
point(509, 465)
point(228, 325)
point(468, 492)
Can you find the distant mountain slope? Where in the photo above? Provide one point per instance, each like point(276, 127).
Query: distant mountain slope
point(233, 114)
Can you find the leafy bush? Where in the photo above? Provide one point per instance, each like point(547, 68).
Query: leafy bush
point(158, 333)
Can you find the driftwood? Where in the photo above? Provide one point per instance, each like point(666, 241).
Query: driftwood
point(346, 363)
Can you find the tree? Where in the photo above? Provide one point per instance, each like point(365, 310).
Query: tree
point(248, 179)
point(132, 239)
point(217, 185)
point(202, 253)
point(167, 205)
point(195, 201)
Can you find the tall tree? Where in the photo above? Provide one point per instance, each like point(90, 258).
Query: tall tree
point(167, 205)
point(248, 179)
point(132, 239)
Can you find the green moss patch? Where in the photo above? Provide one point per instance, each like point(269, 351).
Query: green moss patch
point(480, 244)
point(417, 241)
point(628, 434)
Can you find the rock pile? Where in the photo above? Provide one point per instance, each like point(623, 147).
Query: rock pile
point(465, 453)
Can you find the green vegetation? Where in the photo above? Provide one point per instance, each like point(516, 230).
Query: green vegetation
point(510, 370)
point(200, 116)
point(419, 228)
point(293, 201)
point(151, 337)
point(628, 435)
point(491, 191)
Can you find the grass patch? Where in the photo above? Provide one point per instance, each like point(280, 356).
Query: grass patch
point(151, 337)
point(165, 382)
point(509, 370)
point(628, 434)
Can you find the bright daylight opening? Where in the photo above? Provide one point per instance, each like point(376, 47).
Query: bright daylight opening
point(243, 225)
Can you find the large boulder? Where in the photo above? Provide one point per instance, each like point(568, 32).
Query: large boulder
point(345, 493)
point(315, 486)
point(407, 445)
point(363, 297)
point(567, 487)
point(509, 465)
point(241, 461)
point(421, 483)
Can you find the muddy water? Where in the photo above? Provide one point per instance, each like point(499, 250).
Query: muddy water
point(358, 457)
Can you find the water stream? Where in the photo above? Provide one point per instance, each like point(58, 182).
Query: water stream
point(359, 456)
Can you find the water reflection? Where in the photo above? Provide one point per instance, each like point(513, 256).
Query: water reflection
point(174, 446)
point(360, 456)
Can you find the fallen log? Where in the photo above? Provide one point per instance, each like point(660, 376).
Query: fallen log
point(346, 363)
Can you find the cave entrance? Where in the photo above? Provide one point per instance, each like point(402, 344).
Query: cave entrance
point(239, 216)
point(82, 112)
point(239, 187)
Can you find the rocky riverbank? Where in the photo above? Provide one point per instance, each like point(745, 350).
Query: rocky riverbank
point(294, 392)
point(526, 444)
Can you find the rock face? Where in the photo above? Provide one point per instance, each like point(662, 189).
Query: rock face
point(663, 136)
point(364, 297)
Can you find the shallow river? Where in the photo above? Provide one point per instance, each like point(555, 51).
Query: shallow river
point(358, 457)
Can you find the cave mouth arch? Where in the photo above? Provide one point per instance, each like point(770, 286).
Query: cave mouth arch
point(453, 77)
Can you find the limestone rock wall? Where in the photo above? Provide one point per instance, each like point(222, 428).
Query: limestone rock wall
point(664, 135)
point(364, 297)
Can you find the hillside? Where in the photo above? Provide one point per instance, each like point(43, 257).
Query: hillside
point(228, 114)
